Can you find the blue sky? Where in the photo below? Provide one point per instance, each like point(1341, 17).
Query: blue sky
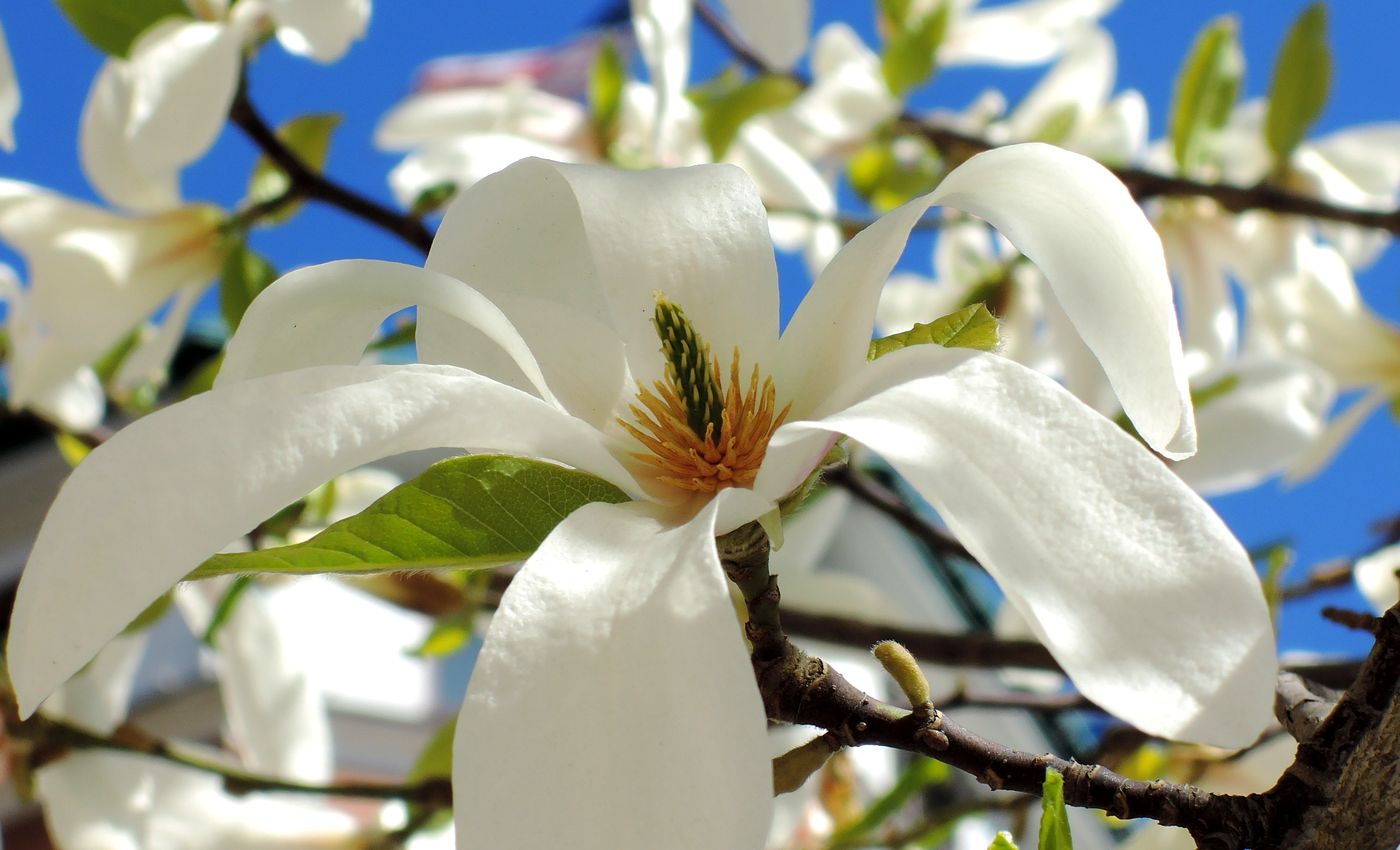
point(1324, 517)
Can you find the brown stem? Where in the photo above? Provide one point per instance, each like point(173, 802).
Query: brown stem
point(308, 183)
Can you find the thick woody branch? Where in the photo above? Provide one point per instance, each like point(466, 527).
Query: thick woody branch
point(307, 182)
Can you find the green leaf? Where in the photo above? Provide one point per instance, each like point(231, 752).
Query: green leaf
point(971, 327)
point(432, 199)
point(1302, 77)
point(1003, 842)
point(446, 637)
point(245, 274)
point(307, 136)
point(908, 60)
point(404, 334)
point(895, 12)
point(224, 609)
point(1206, 90)
point(1057, 125)
point(888, 173)
point(112, 25)
point(465, 513)
point(723, 115)
point(605, 81)
point(202, 379)
point(920, 774)
point(1054, 820)
point(1214, 390)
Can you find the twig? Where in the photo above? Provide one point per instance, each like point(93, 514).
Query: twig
point(1325, 576)
point(307, 183)
point(52, 739)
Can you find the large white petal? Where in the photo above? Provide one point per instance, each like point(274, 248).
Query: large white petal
point(1136, 586)
point(327, 314)
point(626, 627)
point(164, 493)
point(614, 238)
point(320, 29)
point(1083, 230)
point(9, 95)
point(776, 29)
point(435, 116)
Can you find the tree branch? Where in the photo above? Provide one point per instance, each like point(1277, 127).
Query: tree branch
point(307, 183)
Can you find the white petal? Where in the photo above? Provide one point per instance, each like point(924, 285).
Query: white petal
point(776, 29)
point(326, 315)
point(320, 29)
point(1083, 230)
point(436, 116)
point(615, 238)
point(808, 533)
point(152, 114)
point(1081, 81)
point(465, 160)
point(77, 404)
point(1258, 428)
point(1211, 319)
point(1375, 578)
point(166, 492)
point(663, 34)
point(649, 627)
point(98, 698)
point(1030, 32)
point(9, 95)
point(1133, 583)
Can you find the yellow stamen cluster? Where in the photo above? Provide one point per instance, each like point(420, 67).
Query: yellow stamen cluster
point(688, 445)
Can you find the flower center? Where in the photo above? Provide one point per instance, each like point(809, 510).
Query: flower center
point(702, 433)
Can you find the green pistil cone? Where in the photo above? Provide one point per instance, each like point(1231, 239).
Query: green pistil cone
point(687, 362)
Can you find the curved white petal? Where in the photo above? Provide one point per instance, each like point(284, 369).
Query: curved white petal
point(614, 238)
point(1030, 32)
point(320, 29)
point(776, 29)
point(1258, 428)
point(162, 107)
point(107, 159)
point(327, 314)
point(9, 95)
point(521, 110)
point(1139, 590)
point(1083, 230)
point(1210, 315)
point(625, 626)
point(1375, 578)
point(164, 493)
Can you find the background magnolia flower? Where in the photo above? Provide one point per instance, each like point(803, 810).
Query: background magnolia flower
point(94, 276)
point(1375, 577)
point(100, 800)
point(149, 115)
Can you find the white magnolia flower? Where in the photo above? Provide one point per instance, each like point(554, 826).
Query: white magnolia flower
point(776, 29)
point(626, 605)
point(99, 800)
point(1029, 32)
point(94, 275)
point(9, 95)
point(149, 115)
point(76, 402)
point(1317, 313)
point(1375, 577)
